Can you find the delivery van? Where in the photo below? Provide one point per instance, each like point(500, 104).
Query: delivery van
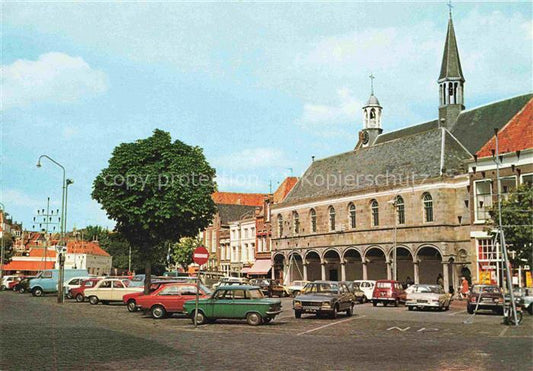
point(47, 281)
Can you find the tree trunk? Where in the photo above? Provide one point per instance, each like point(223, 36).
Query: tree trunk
point(147, 276)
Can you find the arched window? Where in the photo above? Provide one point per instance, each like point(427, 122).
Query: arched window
point(312, 217)
point(280, 225)
point(400, 209)
point(428, 207)
point(375, 213)
point(351, 212)
point(331, 218)
point(372, 113)
point(295, 222)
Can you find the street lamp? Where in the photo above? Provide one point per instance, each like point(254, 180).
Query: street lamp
point(394, 266)
point(60, 297)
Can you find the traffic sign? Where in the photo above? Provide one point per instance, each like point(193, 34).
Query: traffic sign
point(200, 255)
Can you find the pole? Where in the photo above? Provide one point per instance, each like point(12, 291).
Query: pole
point(3, 246)
point(502, 235)
point(129, 261)
point(197, 297)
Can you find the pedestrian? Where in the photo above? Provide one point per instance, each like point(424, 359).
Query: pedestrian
point(440, 280)
point(464, 287)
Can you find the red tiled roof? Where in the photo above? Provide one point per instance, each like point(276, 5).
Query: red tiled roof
point(516, 135)
point(231, 198)
point(39, 253)
point(84, 247)
point(33, 266)
point(284, 189)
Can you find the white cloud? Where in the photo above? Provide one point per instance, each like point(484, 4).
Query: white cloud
point(324, 119)
point(253, 158)
point(52, 78)
point(15, 199)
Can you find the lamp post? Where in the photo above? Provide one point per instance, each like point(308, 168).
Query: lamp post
point(2, 237)
point(394, 267)
point(60, 296)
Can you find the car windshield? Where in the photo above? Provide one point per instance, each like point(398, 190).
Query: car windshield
point(384, 285)
point(429, 289)
point(313, 288)
point(486, 290)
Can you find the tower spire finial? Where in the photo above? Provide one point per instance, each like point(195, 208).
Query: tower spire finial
point(450, 6)
point(371, 84)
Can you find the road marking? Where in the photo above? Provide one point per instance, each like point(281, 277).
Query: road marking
point(329, 324)
point(399, 329)
point(503, 331)
point(427, 329)
point(454, 313)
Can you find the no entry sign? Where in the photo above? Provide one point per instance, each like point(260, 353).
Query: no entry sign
point(200, 255)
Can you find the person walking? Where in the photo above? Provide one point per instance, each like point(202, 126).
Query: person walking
point(464, 288)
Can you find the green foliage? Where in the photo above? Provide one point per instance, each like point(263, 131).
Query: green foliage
point(156, 190)
point(182, 251)
point(517, 221)
point(8, 240)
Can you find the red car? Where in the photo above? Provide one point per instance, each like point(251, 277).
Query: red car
point(13, 283)
point(387, 291)
point(131, 299)
point(78, 292)
point(170, 298)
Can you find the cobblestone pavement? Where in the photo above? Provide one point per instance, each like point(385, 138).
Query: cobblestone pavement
point(38, 333)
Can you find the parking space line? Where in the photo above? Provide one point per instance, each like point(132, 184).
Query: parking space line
point(454, 313)
point(503, 332)
point(329, 324)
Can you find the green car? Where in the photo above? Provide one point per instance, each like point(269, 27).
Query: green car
point(235, 302)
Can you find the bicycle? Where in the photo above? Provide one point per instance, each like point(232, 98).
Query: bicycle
point(508, 317)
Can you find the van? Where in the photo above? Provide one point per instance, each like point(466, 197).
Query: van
point(47, 280)
point(388, 292)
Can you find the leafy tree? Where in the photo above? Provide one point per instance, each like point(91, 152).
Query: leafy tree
point(8, 240)
point(93, 232)
point(517, 221)
point(156, 190)
point(182, 251)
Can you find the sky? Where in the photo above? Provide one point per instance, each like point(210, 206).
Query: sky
point(260, 86)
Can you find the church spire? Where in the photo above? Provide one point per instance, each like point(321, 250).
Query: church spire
point(371, 118)
point(451, 79)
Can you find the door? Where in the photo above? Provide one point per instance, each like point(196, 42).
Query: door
point(170, 298)
point(104, 291)
point(118, 291)
point(223, 304)
point(241, 304)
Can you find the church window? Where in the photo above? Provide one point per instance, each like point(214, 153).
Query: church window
point(351, 211)
point(331, 218)
point(400, 210)
point(428, 207)
point(280, 225)
point(312, 215)
point(375, 213)
point(296, 222)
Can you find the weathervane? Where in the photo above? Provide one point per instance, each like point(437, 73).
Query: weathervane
point(371, 84)
point(450, 6)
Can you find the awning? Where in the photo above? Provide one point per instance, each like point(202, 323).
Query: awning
point(31, 266)
point(261, 267)
point(245, 270)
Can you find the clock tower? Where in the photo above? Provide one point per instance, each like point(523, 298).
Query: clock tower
point(371, 119)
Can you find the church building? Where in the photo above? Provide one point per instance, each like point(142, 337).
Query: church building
point(398, 205)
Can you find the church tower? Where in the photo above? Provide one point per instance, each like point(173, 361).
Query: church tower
point(371, 118)
point(451, 80)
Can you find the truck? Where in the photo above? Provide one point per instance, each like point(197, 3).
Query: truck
point(47, 281)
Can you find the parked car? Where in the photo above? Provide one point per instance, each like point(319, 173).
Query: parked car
point(387, 291)
point(73, 283)
point(23, 285)
point(367, 286)
point(485, 297)
point(359, 295)
point(6, 280)
point(47, 280)
point(169, 298)
point(428, 296)
point(11, 285)
point(138, 280)
point(296, 287)
point(110, 289)
point(131, 299)
point(526, 294)
point(235, 302)
point(324, 297)
point(226, 281)
point(78, 293)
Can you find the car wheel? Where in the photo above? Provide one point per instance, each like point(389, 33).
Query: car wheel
point(365, 299)
point(158, 312)
point(22, 290)
point(349, 311)
point(93, 300)
point(335, 312)
point(37, 292)
point(530, 309)
point(470, 309)
point(396, 302)
point(80, 298)
point(132, 305)
point(2, 288)
point(254, 319)
point(410, 308)
point(374, 303)
point(297, 314)
point(201, 319)
point(267, 320)
point(385, 303)
point(69, 296)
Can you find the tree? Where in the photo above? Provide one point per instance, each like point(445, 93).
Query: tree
point(156, 191)
point(517, 221)
point(182, 251)
point(8, 240)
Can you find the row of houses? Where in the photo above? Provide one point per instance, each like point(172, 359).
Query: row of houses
point(411, 204)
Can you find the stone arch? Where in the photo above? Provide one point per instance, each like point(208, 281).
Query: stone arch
point(429, 258)
point(295, 266)
point(376, 261)
point(313, 260)
point(404, 261)
point(353, 259)
point(278, 265)
point(332, 264)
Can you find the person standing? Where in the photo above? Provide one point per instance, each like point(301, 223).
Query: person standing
point(464, 287)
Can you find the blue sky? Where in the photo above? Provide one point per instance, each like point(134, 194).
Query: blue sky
point(261, 87)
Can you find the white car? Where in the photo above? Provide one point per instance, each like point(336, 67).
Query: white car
point(6, 280)
point(296, 287)
point(367, 287)
point(427, 296)
point(111, 289)
point(231, 281)
point(72, 284)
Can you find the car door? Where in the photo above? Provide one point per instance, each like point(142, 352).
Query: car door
point(345, 297)
point(223, 306)
point(103, 291)
point(169, 297)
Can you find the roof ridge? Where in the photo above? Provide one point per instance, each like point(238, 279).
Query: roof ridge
point(407, 127)
point(496, 102)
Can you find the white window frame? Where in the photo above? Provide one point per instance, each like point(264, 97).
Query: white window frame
point(476, 203)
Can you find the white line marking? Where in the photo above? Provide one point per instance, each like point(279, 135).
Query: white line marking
point(427, 329)
point(329, 324)
point(503, 331)
point(399, 329)
point(454, 313)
